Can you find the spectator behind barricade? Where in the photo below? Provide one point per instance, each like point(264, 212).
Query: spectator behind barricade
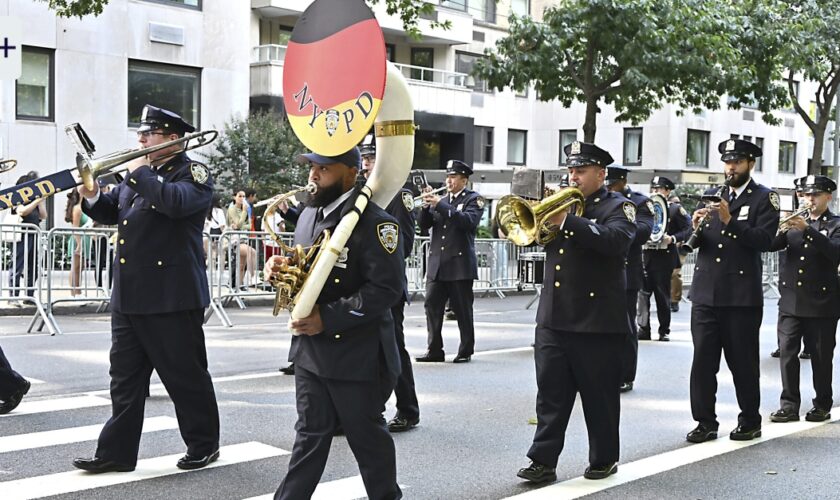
point(237, 220)
point(276, 223)
point(25, 250)
point(78, 246)
point(250, 200)
point(216, 220)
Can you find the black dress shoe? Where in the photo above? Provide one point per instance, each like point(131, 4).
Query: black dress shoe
point(776, 354)
point(804, 355)
point(402, 424)
point(625, 387)
point(462, 359)
point(288, 370)
point(15, 398)
point(450, 315)
point(675, 307)
point(701, 434)
point(742, 433)
point(537, 473)
point(189, 462)
point(98, 465)
point(644, 334)
point(600, 471)
point(430, 357)
point(817, 415)
point(784, 415)
point(664, 337)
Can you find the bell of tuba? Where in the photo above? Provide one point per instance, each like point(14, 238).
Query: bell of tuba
point(525, 223)
point(660, 218)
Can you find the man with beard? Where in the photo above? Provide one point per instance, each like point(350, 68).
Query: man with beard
point(582, 321)
point(345, 353)
point(402, 209)
point(726, 291)
point(617, 183)
point(809, 305)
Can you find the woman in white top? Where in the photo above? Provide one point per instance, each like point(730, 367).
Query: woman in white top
point(216, 220)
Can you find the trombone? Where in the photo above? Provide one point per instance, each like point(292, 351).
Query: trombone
point(310, 188)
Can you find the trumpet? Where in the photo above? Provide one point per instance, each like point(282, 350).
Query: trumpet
point(6, 165)
point(310, 188)
point(418, 200)
point(803, 211)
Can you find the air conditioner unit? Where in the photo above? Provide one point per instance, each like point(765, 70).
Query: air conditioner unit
point(166, 33)
point(749, 115)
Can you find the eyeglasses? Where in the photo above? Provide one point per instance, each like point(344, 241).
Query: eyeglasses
point(147, 133)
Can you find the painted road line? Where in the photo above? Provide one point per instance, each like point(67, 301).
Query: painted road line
point(31, 440)
point(28, 407)
point(349, 488)
point(75, 481)
point(650, 466)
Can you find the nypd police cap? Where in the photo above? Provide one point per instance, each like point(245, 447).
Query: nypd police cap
point(616, 173)
point(458, 167)
point(738, 149)
point(581, 154)
point(662, 182)
point(368, 146)
point(816, 184)
point(154, 118)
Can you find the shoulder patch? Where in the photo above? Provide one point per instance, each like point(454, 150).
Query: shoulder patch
point(682, 211)
point(629, 212)
point(408, 201)
point(649, 205)
point(774, 199)
point(389, 236)
point(199, 172)
point(480, 202)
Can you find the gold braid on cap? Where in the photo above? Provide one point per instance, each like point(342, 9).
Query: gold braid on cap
point(395, 127)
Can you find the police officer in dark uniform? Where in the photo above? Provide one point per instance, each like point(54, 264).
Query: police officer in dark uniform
point(809, 305)
point(401, 208)
point(13, 387)
point(726, 291)
point(660, 259)
point(158, 297)
point(452, 265)
point(582, 321)
point(345, 352)
point(617, 183)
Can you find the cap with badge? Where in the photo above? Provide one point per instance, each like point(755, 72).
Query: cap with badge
point(811, 184)
point(581, 154)
point(797, 185)
point(458, 167)
point(738, 149)
point(351, 158)
point(154, 118)
point(564, 181)
point(368, 146)
point(616, 173)
point(662, 182)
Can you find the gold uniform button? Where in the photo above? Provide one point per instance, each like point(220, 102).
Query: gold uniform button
point(122, 242)
point(441, 248)
point(160, 263)
point(720, 245)
point(805, 245)
point(801, 271)
point(122, 261)
point(459, 253)
point(823, 289)
point(571, 233)
point(444, 226)
point(556, 284)
point(722, 231)
point(717, 259)
point(125, 222)
point(562, 251)
point(153, 207)
point(443, 237)
point(337, 280)
point(591, 294)
point(740, 272)
point(802, 258)
point(798, 283)
point(557, 267)
point(337, 336)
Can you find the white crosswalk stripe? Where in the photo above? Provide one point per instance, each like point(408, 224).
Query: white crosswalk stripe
point(73, 435)
point(349, 488)
point(74, 481)
point(29, 407)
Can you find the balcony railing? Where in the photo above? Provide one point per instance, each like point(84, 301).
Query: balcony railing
point(268, 54)
point(435, 77)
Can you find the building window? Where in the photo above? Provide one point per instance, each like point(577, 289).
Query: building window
point(454, 4)
point(520, 7)
point(391, 52)
point(35, 89)
point(760, 160)
point(424, 58)
point(464, 63)
point(273, 32)
point(483, 10)
point(697, 149)
point(566, 137)
point(517, 146)
point(483, 142)
point(787, 157)
point(734, 136)
point(632, 146)
point(176, 88)
point(191, 4)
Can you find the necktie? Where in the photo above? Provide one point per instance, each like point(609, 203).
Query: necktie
point(320, 217)
point(732, 196)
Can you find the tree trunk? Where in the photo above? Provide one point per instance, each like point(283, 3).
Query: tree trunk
point(589, 122)
point(815, 167)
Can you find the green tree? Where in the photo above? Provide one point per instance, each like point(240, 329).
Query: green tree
point(409, 11)
point(631, 54)
point(259, 152)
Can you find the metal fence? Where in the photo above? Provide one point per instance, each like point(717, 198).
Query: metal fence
point(73, 266)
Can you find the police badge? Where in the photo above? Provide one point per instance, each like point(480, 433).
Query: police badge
point(774, 199)
point(408, 201)
point(730, 145)
point(331, 121)
point(575, 148)
point(389, 236)
point(199, 173)
point(630, 212)
point(650, 206)
point(480, 202)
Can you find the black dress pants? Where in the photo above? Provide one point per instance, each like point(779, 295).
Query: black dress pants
point(172, 344)
point(569, 363)
point(657, 283)
point(407, 405)
point(460, 296)
point(820, 340)
point(631, 344)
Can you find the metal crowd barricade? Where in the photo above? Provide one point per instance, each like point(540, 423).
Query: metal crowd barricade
point(22, 274)
point(769, 275)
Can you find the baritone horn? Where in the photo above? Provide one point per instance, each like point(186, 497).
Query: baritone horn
point(525, 223)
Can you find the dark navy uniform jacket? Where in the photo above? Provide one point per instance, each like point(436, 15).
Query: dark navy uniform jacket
point(644, 226)
point(584, 283)
point(159, 265)
point(728, 270)
point(356, 301)
point(401, 208)
point(454, 223)
point(808, 280)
